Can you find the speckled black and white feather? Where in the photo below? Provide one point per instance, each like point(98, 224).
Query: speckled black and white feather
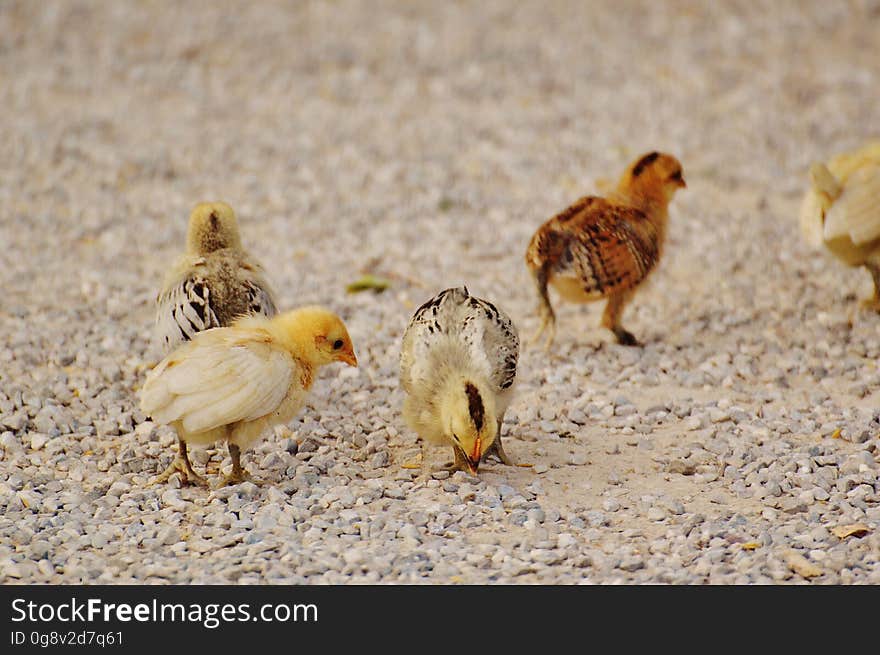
point(454, 319)
point(208, 292)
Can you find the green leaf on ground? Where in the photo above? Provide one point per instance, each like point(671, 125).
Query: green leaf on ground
point(367, 283)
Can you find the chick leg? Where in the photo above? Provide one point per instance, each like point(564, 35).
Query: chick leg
point(425, 467)
point(545, 309)
point(874, 301)
point(238, 474)
point(182, 465)
point(497, 448)
point(612, 316)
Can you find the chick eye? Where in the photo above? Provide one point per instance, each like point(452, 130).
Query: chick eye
point(337, 344)
point(676, 176)
point(455, 436)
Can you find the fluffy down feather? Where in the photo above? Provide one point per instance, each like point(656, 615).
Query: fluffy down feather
point(488, 335)
point(458, 365)
point(233, 383)
point(213, 283)
point(220, 379)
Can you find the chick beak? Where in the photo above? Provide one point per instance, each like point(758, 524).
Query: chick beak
point(349, 358)
point(473, 460)
point(682, 183)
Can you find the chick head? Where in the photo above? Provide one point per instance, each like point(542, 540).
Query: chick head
point(318, 334)
point(469, 421)
point(212, 226)
point(653, 171)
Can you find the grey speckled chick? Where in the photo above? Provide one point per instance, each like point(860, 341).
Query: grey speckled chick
point(458, 367)
point(213, 282)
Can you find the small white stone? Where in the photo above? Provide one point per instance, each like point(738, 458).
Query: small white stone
point(693, 423)
point(38, 440)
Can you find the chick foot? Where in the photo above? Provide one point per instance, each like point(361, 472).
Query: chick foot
point(625, 337)
point(497, 450)
point(233, 478)
point(548, 324)
point(182, 465)
point(187, 474)
point(872, 303)
point(238, 474)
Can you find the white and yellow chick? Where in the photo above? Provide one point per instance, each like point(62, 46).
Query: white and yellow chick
point(458, 367)
point(841, 211)
point(213, 283)
point(234, 383)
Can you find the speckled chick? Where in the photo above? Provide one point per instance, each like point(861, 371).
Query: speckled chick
point(458, 366)
point(605, 247)
point(235, 383)
point(214, 282)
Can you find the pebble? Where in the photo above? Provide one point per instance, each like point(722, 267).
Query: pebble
point(172, 499)
point(394, 492)
point(38, 440)
point(656, 514)
point(610, 505)
point(596, 518)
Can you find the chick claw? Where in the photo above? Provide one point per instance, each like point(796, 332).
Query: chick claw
point(625, 337)
point(237, 477)
point(238, 474)
point(497, 449)
point(187, 474)
point(548, 324)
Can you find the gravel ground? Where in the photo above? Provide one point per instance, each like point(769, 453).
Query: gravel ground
point(425, 142)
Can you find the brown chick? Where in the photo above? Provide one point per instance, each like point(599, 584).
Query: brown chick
point(235, 383)
point(606, 247)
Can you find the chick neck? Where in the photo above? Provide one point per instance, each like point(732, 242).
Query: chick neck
point(646, 193)
point(205, 237)
point(295, 335)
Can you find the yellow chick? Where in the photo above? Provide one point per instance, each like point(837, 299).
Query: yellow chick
point(235, 383)
point(841, 211)
point(214, 282)
point(604, 248)
point(458, 365)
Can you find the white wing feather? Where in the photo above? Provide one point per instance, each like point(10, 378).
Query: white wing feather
point(218, 379)
point(856, 212)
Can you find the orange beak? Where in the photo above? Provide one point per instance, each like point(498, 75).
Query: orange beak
point(348, 357)
point(474, 458)
point(682, 183)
